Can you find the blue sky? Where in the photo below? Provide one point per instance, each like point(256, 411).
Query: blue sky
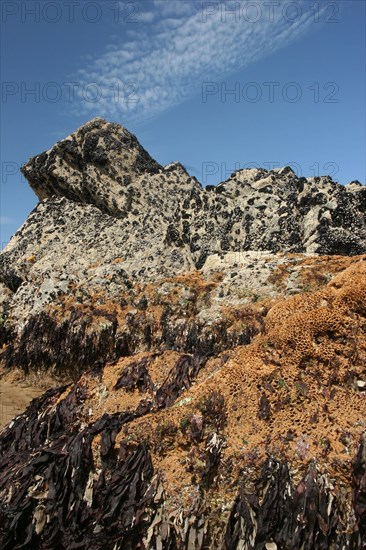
point(215, 85)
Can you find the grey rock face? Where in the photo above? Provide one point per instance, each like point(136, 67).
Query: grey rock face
point(104, 165)
point(94, 165)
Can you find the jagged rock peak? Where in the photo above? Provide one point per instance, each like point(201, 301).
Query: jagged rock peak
point(102, 164)
point(93, 165)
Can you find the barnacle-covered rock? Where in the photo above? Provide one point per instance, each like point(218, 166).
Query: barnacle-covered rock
point(259, 447)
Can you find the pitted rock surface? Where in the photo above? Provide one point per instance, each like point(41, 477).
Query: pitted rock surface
point(104, 165)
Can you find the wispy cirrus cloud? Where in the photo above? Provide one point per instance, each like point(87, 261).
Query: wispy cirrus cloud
point(176, 46)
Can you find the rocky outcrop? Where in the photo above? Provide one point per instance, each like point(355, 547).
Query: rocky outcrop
point(210, 344)
point(111, 217)
point(104, 165)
